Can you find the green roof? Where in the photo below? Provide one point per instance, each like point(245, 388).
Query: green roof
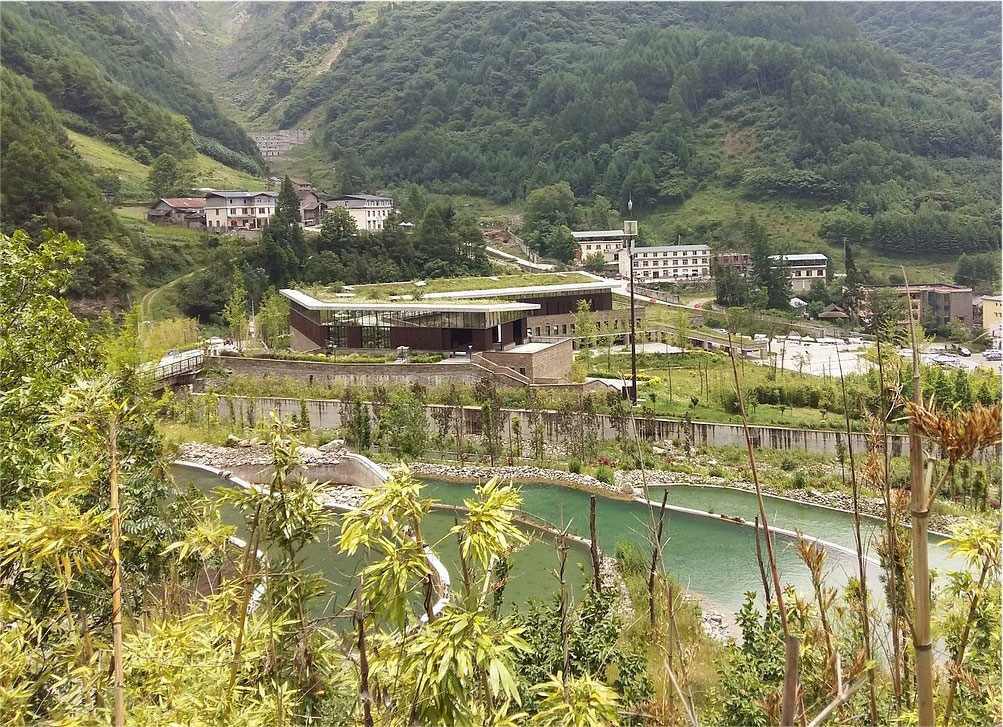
point(454, 285)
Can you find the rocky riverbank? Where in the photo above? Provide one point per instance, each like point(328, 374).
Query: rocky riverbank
point(478, 473)
point(837, 500)
point(251, 452)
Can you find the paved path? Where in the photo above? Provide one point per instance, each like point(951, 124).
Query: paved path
point(522, 262)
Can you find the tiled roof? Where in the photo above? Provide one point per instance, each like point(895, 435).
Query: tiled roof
point(185, 203)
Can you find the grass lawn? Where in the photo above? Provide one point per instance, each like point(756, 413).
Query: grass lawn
point(701, 385)
point(133, 174)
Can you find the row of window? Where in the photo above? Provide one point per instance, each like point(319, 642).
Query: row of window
point(809, 273)
point(563, 329)
point(675, 253)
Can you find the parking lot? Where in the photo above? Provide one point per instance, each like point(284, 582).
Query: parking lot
point(824, 358)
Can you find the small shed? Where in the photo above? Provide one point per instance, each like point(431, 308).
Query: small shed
point(833, 312)
point(177, 210)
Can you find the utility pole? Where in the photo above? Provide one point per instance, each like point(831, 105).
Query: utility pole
point(630, 232)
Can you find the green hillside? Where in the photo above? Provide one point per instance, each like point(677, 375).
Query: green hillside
point(109, 68)
point(961, 37)
point(777, 104)
point(106, 159)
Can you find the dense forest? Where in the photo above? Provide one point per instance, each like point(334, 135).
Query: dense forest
point(776, 101)
point(109, 68)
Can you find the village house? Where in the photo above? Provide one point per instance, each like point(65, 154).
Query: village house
point(605, 243)
point(312, 207)
point(740, 262)
point(991, 307)
point(239, 210)
point(667, 262)
point(369, 211)
point(178, 211)
point(804, 270)
point(936, 304)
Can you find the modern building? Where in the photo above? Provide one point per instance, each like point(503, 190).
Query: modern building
point(239, 210)
point(355, 323)
point(178, 211)
point(804, 270)
point(992, 315)
point(606, 243)
point(549, 300)
point(273, 144)
point(740, 262)
point(938, 304)
point(369, 211)
point(667, 263)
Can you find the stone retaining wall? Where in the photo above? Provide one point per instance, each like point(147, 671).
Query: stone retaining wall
point(326, 414)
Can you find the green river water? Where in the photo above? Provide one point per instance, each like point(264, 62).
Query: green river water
point(714, 559)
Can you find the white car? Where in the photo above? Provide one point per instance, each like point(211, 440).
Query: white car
point(993, 354)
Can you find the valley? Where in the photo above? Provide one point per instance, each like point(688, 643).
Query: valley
point(376, 364)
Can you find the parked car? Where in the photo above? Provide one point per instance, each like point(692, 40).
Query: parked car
point(964, 351)
point(994, 354)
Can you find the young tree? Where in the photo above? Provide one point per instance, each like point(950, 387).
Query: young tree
point(235, 313)
point(681, 322)
point(853, 288)
point(273, 319)
point(769, 273)
point(169, 177)
point(585, 326)
point(594, 263)
point(403, 425)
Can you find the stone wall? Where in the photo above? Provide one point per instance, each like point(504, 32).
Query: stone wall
point(322, 373)
point(326, 414)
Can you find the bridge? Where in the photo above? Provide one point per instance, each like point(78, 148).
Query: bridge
point(177, 369)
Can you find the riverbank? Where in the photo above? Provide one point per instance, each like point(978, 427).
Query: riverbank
point(940, 524)
point(471, 474)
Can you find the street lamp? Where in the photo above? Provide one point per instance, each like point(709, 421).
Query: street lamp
point(629, 233)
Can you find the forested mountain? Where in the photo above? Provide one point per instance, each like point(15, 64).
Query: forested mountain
point(658, 101)
point(110, 69)
point(45, 185)
point(960, 37)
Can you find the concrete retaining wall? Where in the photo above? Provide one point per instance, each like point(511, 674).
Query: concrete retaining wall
point(321, 373)
point(353, 469)
point(326, 414)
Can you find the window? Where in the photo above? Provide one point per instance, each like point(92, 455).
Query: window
point(261, 210)
point(564, 329)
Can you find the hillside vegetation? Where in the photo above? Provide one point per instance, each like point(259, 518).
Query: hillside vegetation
point(133, 175)
point(659, 102)
point(109, 68)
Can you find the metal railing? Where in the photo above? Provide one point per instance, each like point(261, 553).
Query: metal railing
point(183, 366)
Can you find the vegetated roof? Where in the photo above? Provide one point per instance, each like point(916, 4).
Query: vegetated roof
point(477, 285)
point(185, 203)
point(307, 299)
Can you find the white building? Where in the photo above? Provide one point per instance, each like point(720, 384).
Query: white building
point(804, 270)
point(598, 242)
point(368, 211)
point(239, 210)
point(668, 262)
